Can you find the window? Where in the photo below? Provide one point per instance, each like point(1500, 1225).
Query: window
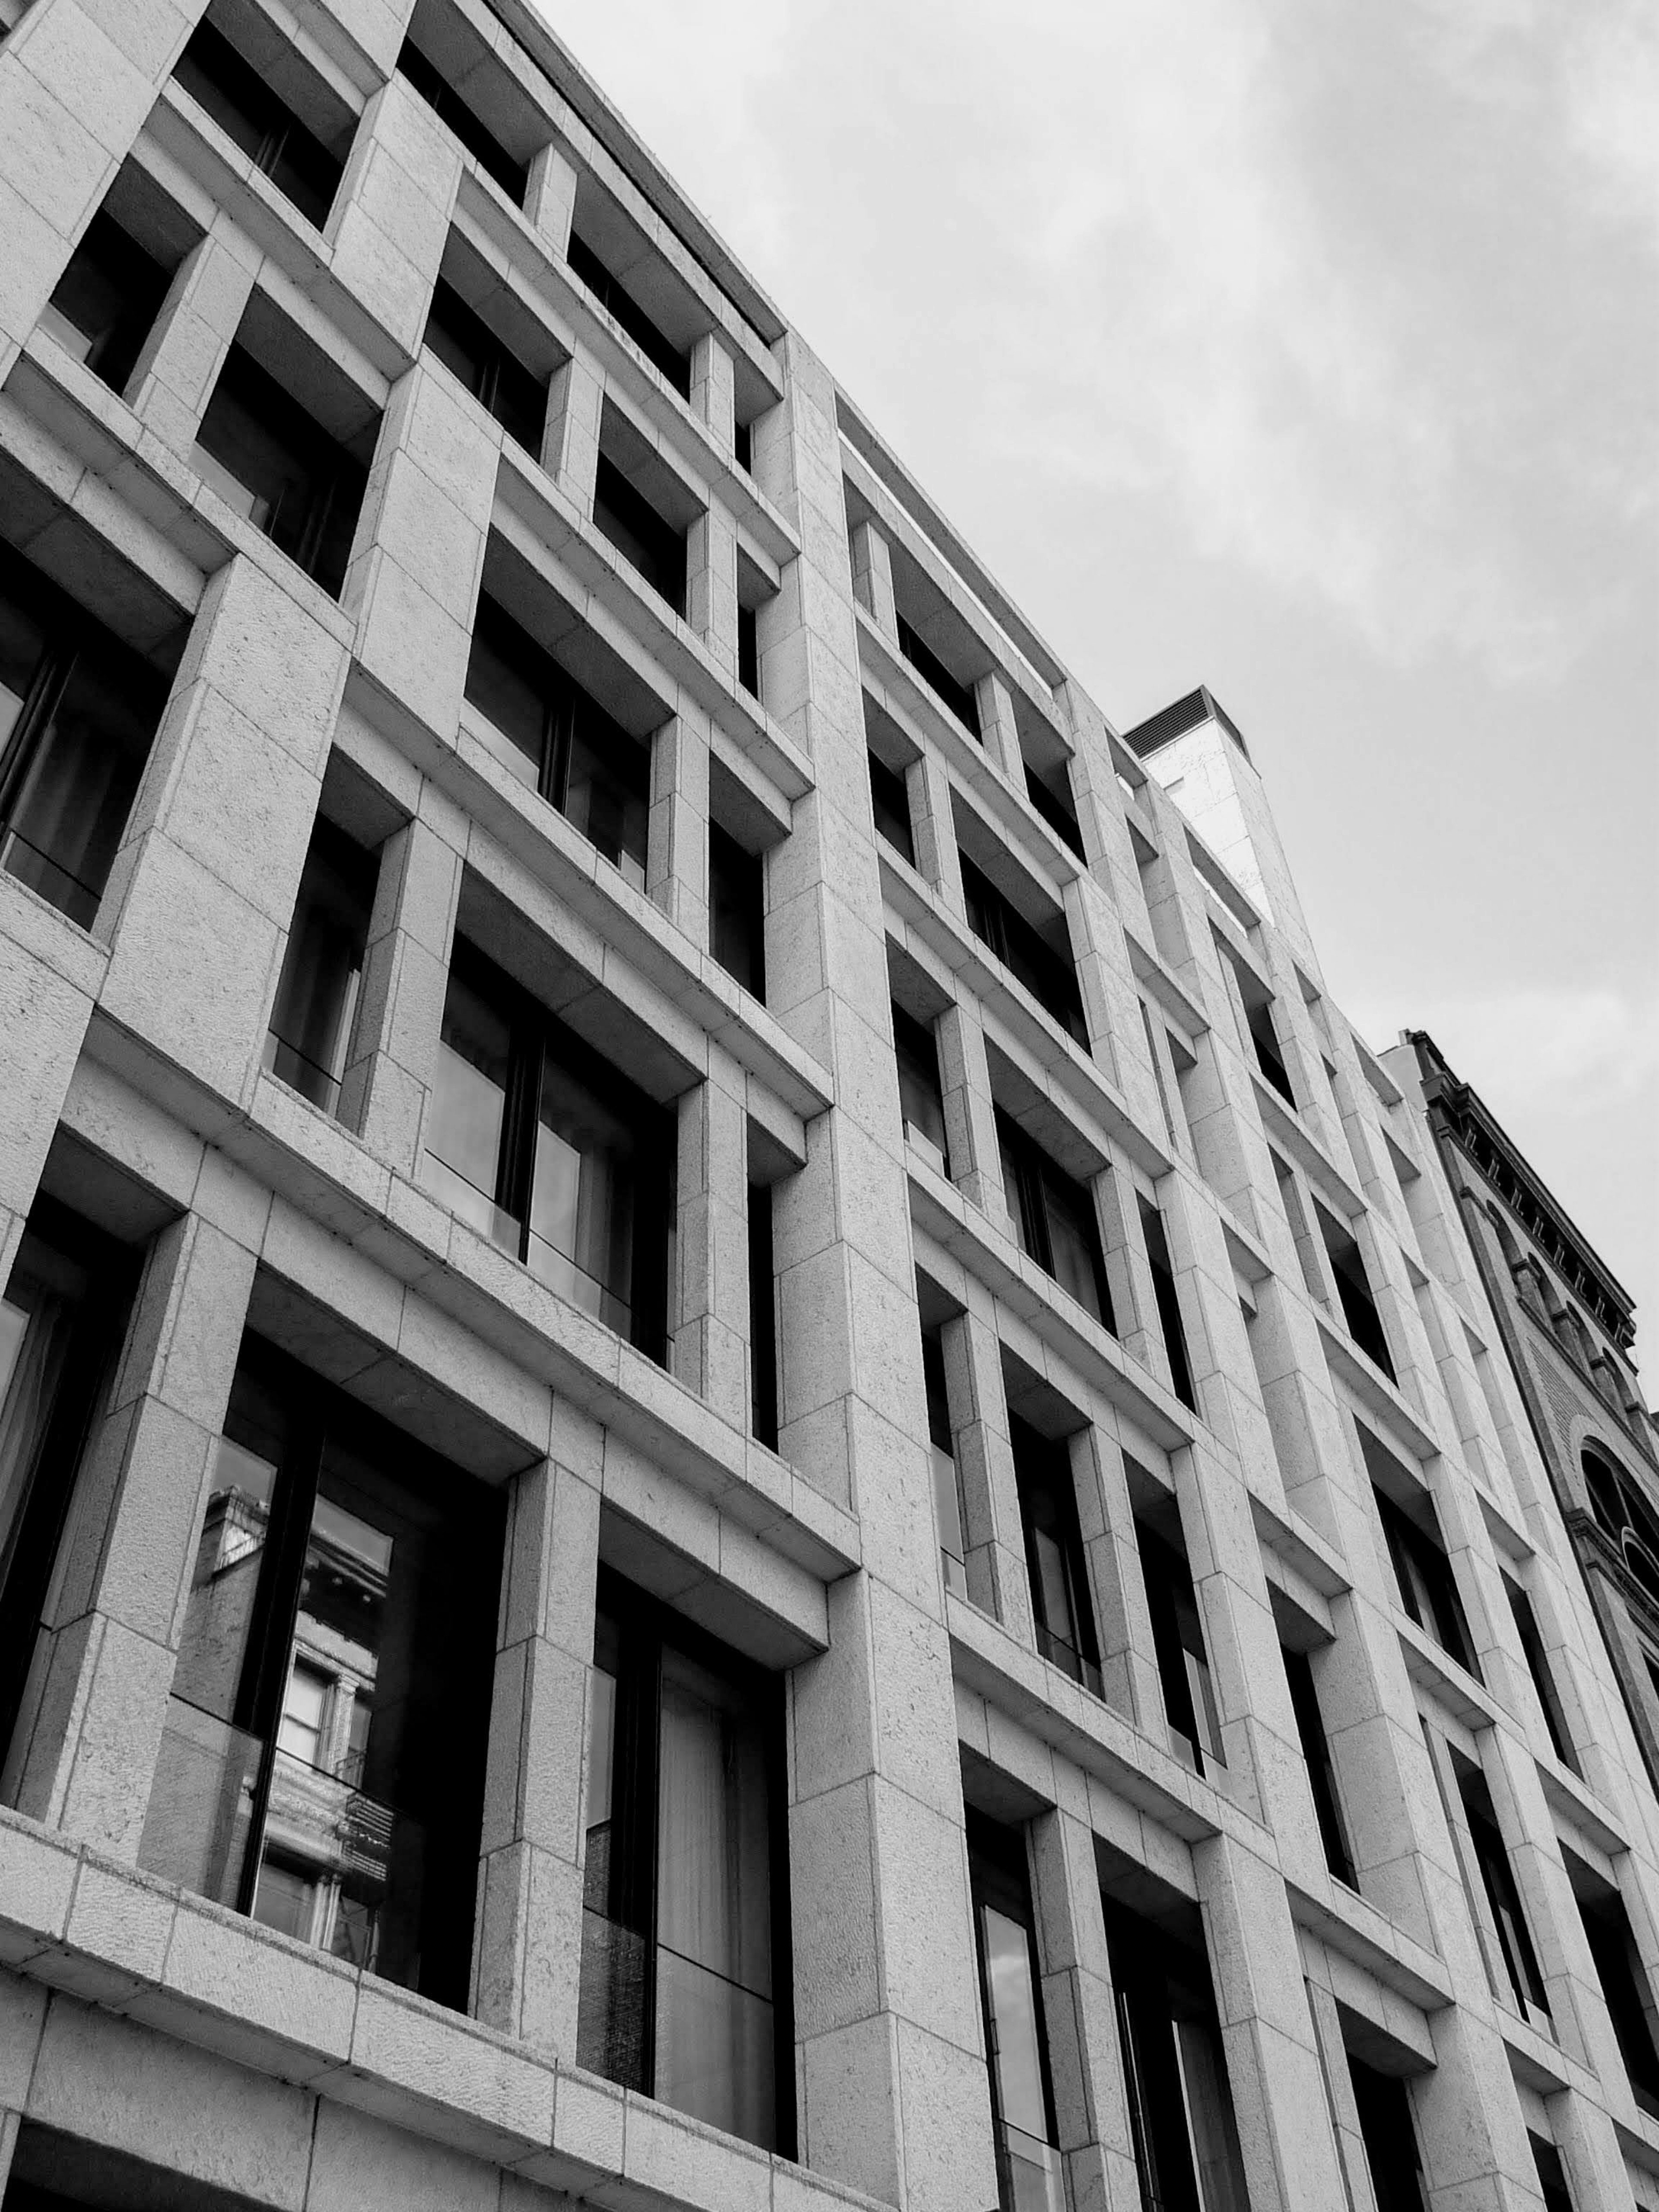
point(736, 910)
point(1061, 1609)
point(241, 101)
point(921, 1102)
point(269, 458)
point(1183, 1661)
point(1390, 2140)
point(1551, 2176)
point(548, 1150)
point(560, 742)
point(1054, 1218)
point(763, 1320)
point(749, 649)
point(1321, 1772)
point(486, 365)
point(322, 1765)
point(1498, 1880)
point(685, 1970)
point(1050, 793)
point(1041, 965)
point(956, 696)
point(1029, 2176)
point(1353, 1289)
point(61, 1319)
point(311, 1023)
point(78, 712)
point(947, 1480)
point(1626, 1519)
point(890, 803)
point(1169, 1305)
point(1258, 1004)
point(647, 543)
point(671, 360)
point(1175, 2075)
point(434, 87)
point(1538, 1666)
point(107, 300)
point(1428, 1590)
point(1624, 1983)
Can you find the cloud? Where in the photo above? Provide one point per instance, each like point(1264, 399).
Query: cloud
point(1544, 1049)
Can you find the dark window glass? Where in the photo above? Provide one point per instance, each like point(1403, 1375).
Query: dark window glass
point(1169, 1305)
point(762, 1319)
point(240, 100)
point(947, 1482)
point(749, 650)
point(655, 548)
point(1538, 1666)
point(1181, 2111)
point(1183, 1660)
point(1624, 1983)
point(1390, 2139)
point(1551, 2176)
point(316, 1005)
point(322, 1764)
point(1061, 1607)
point(265, 454)
point(890, 803)
point(107, 300)
point(1045, 971)
point(1054, 1216)
point(921, 1102)
point(1322, 1773)
point(1428, 1590)
point(559, 741)
point(958, 696)
point(1051, 795)
point(736, 910)
point(743, 446)
point(685, 1971)
point(1353, 1289)
point(547, 1150)
point(626, 311)
point(435, 87)
point(61, 1322)
point(1259, 1015)
point(1029, 2176)
point(77, 713)
point(1497, 1879)
point(491, 372)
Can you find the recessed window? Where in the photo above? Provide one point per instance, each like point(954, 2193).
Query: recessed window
point(956, 696)
point(107, 300)
point(1061, 1607)
point(1050, 792)
point(1538, 1666)
point(1624, 1982)
point(426, 78)
point(487, 366)
point(1167, 1302)
point(1515, 1942)
point(1390, 2139)
point(1322, 1771)
point(1054, 1217)
point(921, 1101)
point(316, 1005)
point(1552, 2175)
point(1258, 1004)
point(1428, 1589)
point(647, 540)
point(1353, 1289)
point(241, 101)
point(272, 461)
point(749, 650)
point(736, 910)
point(947, 1478)
point(890, 802)
point(1041, 960)
point(559, 741)
point(1183, 1660)
point(763, 1320)
point(1029, 2166)
point(671, 360)
point(685, 1958)
point(550, 1151)
point(322, 1764)
point(78, 711)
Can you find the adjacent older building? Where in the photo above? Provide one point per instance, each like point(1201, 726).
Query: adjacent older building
point(745, 1466)
point(1569, 1335)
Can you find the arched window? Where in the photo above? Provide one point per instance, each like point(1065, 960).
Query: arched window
point(1625, 1516)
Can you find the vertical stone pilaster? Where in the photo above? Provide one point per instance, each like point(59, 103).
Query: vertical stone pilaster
point(1080, 2015)
point(173, 377)
point(970, 1128)
point(993, 1534)
point(391, 218)
point(713, 392)
point(1128, 1661)
point(872, 579)
point(711, 583)
point(933, 826)
point(711, 1331)
point(570, 448)
point(550, 201)
point(993, 705)
point(49, 979)
point(677, 834)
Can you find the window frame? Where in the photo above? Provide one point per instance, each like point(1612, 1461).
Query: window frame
point(1043, 1477)
point(273, 137)
point(1036, 1180)
point(998, 1880)
point(506, 387)
point(1428, 1595)
point(1019, 946)
point(108, 250)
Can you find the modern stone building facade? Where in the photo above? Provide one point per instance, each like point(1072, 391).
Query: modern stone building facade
point(720, 1381)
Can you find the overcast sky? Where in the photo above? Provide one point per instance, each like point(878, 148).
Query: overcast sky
point(1308, 352)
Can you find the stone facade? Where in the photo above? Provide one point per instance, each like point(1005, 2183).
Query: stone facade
point(970, 1482)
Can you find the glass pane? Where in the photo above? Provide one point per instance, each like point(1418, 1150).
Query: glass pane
point(201, 1803)
point(339, 1868)
point(35, 1320)
point(1054, 1586)
point(610, 2018)
point(948, 1508)
point(228, 1559)
point(581, 1208)
point(504, 686)
point(322, 969)
point(1072, 1243)
point(1017, 2058)
point(71, 807)
point(469, 1102)
point(22, 644)
point(608, 792)
point(714, 2050)
point(601, 1757)
point(1034, 2177)
point(1212, 2136)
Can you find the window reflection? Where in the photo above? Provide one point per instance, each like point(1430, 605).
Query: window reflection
point(1022, 2104)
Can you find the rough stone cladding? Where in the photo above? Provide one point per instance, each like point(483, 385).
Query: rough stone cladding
point(143, 2027)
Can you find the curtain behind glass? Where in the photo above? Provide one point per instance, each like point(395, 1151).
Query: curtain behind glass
point(469, 1103)
point(581, 1208)
point(714, 2024)
point(71, 806)
point(34, 1329)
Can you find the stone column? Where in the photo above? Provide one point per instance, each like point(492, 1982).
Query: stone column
point(677, 832)
point(970, 1128)
point(1128, 1657)
point(872, 579)
point(994, 1535)
point(933, 826)
point(391, 218)
point(894, 2091)
point(201, 895)
point(86, 1749)
point(711, 583)
point(173, 377)
point(526, 1969)
point(412, 933)
point(570, 447)
point(550, 200)
point(994, 706)
point(714, 394)
point(49, 979)
point(711, 1330)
